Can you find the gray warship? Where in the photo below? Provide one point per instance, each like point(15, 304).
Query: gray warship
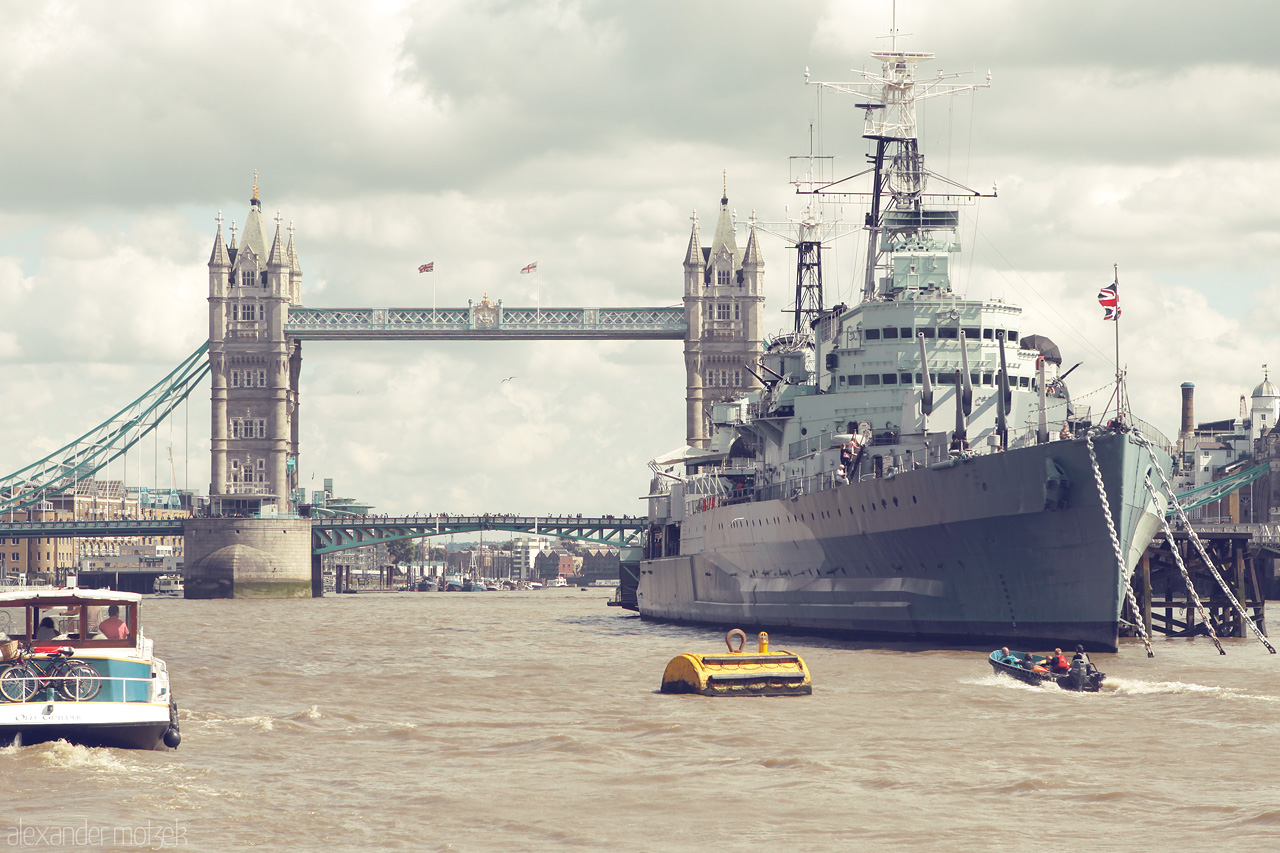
point(912, 467)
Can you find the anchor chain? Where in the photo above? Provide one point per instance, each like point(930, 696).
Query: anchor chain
point(1115, 545)
point(1204, 555)
point(1186, 576)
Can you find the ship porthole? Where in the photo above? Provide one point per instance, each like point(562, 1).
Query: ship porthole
point(913, 498)
point(984, 487)
point(895, 501)
point(883, 503)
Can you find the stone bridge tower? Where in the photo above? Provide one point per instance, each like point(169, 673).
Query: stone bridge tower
point(254, 367)
point(723, 298)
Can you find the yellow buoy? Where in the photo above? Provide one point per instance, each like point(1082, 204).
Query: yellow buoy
point(739, 673)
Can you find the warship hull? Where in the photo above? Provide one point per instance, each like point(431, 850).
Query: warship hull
point(1009, 547)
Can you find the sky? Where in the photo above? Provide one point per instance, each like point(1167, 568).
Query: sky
point(582, 135)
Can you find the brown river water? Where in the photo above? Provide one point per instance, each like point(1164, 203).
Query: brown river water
point(527, 721)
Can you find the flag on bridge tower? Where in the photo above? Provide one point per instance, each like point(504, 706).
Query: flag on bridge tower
point(427, 267)
point(530, 268)
point(1109, 299)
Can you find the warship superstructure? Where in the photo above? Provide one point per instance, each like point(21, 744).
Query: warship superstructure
point(911, 466)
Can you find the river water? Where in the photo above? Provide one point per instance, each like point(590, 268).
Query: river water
point(531, 721)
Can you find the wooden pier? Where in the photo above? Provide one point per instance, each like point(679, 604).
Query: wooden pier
point(1161, 591)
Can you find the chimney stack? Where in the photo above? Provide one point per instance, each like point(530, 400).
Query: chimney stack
point(1188, 409)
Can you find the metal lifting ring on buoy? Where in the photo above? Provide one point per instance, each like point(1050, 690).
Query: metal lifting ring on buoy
point(742, 640)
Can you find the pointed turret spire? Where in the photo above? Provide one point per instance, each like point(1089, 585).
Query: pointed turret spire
point(218, 257)
point(277, 258)
point(693, 257)
point(751, 255)
point(292, 253)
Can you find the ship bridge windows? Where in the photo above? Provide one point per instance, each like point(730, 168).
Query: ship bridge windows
point(872, 379)
point(906, 334)
point(888, 379)
point(890, 333)
point(948, 333)
point(972, 332)
point(988, 334)
point(1024, 381)
point(926, 331)
point(988, 378)
point(904, 379)
point(855, 380)
point(872, 334)
point(1011, 336)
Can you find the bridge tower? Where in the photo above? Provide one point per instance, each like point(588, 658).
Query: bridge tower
point(723, 298)
point(251, 548)
point(254, 369)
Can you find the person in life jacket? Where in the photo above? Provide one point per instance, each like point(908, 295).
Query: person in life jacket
point(1080, 658)
point(1058, 662)
point(1028, 662)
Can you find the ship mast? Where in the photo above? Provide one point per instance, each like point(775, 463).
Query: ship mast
point(898, 217)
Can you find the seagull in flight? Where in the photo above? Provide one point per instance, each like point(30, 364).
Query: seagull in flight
point(508, 379)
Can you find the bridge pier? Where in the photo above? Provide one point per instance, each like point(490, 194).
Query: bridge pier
point(249, 558)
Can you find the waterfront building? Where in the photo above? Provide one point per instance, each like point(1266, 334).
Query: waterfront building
point(525, 550)
point(600, 564)
point(1211, 450)
point(556, 562)
point(51, 560)
point(724, 299)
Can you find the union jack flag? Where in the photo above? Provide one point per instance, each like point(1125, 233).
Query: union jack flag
point(1109, 299)
point(530, 268)
point(427, 267)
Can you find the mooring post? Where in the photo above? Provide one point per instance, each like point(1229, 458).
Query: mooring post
point(1144, 591)
point(1240, 590)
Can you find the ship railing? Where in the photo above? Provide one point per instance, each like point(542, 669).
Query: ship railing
point(113, 688)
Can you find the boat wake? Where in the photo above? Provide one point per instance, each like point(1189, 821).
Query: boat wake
point(1139, 687)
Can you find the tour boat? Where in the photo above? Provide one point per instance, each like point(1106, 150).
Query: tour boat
point(169, 585)
point(78, 667)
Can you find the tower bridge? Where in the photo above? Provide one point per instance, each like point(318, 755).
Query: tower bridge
point(255, 542)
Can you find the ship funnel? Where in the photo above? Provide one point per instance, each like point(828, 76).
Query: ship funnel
point(967, 398)
point(1188, 408)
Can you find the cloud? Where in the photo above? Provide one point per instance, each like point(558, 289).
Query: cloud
point(483, 136)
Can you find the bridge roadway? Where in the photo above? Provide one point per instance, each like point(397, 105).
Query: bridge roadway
point(338, 533)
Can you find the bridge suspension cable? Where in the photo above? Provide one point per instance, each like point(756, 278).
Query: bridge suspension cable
point(92, 451)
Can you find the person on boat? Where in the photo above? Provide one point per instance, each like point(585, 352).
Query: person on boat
point(1028, 662)
point(1008, 657)
point(47, 630)
point(1058, 662)
point(1081, 659)
point(113, 626)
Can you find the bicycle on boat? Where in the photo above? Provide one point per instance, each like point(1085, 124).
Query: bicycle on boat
point(26, 675)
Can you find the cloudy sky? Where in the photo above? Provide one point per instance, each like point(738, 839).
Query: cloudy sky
point(582, 135)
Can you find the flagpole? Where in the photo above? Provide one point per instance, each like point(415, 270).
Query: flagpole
point(1119, 392)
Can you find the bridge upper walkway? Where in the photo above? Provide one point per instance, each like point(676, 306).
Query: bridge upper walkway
point(337, 533)
point(486, 321)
